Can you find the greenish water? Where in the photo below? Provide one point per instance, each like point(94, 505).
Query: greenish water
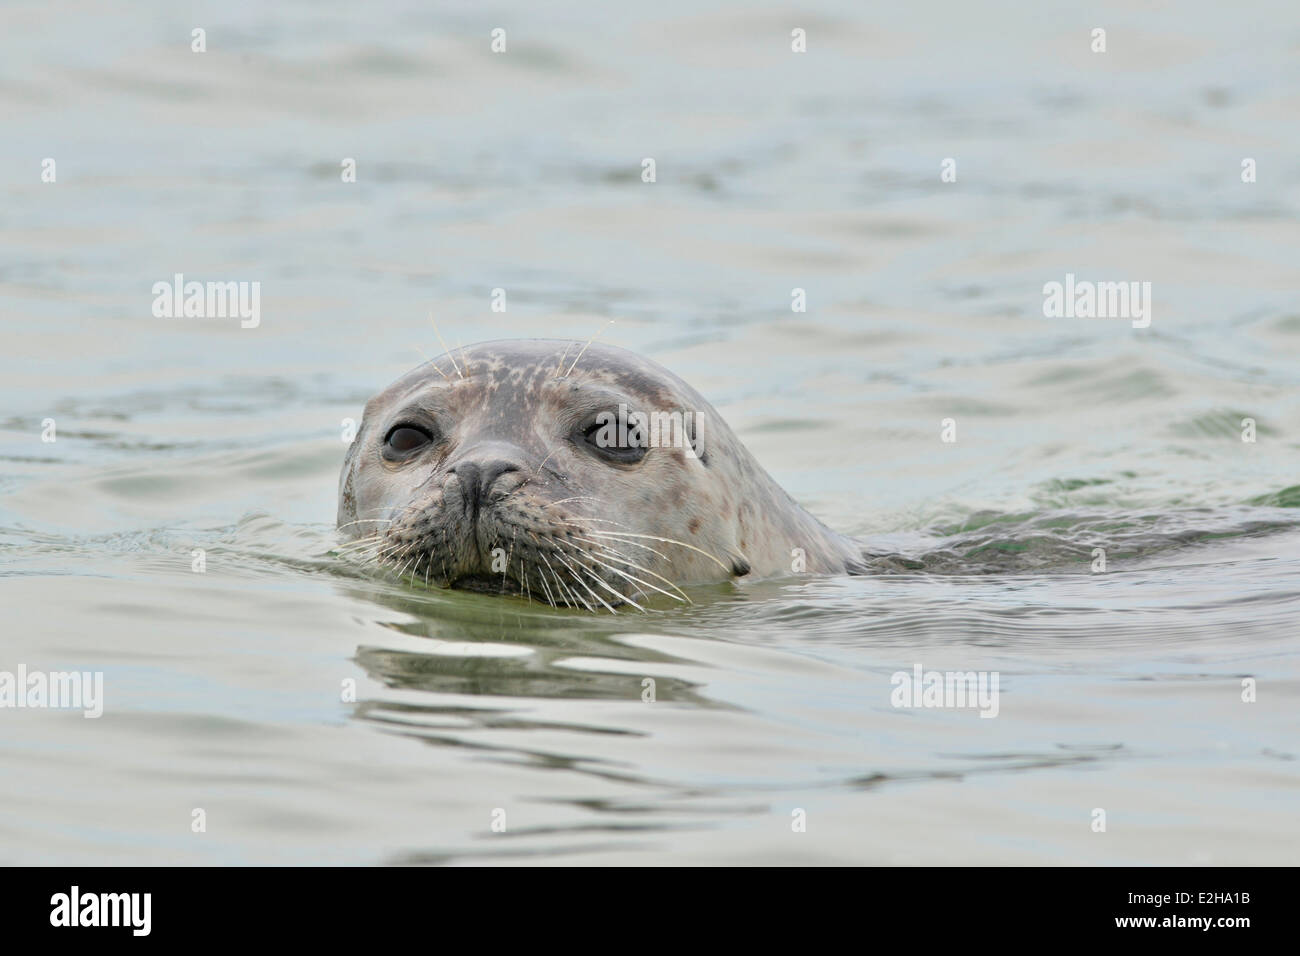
point(320, 713)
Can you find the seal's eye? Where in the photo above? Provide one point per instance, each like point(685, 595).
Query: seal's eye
point(402, 440)
point(609, 441)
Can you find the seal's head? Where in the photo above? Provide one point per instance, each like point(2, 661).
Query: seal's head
point(577, 475)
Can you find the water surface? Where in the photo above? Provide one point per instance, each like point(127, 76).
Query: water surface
point(224, 690)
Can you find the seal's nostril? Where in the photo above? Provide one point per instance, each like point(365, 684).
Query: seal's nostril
point(476, 480)
point(492, 471)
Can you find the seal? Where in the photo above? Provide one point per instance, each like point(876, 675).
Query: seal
point(584, 476)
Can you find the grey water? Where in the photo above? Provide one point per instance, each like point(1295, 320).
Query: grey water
point(318, 712)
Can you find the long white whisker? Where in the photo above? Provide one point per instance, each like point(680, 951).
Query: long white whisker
point(635, 544)
point(444, 347)
point(587, 346)
point(563, 356)
point(564, 587)
point(431, 362)
point(684, 599)
point(364, 521)
point(547, 588)
point(651, 537)
point(588, 518)
point(595, 577)
point(559, 557)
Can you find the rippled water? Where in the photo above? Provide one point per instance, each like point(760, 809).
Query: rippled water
point(223, 690)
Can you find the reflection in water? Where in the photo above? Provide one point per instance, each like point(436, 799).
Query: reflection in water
point(488, 659)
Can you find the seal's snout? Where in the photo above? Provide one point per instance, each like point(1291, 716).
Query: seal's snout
point(476, 479)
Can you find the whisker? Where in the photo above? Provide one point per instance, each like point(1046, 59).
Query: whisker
point(635, 544)
point(368, 536)
point(651, 537)
point(578, 580)
point(625, 598)
point(359, 545)
point(431, 361)
point(587, 346)
point(390, 550)
point(563, 356)
point(595, 577)
point(547, 588)
point(570, 598)
point(506, 569)
point(444, 347)
point(538, 471)
point(364, 521)
point(683, 598)
point(589, 518)
point(564, 587)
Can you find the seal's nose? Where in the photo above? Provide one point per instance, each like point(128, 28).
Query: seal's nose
point(476, 480)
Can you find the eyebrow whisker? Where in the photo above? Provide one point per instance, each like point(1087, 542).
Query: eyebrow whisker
point(444, 347)
point(587, 346)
